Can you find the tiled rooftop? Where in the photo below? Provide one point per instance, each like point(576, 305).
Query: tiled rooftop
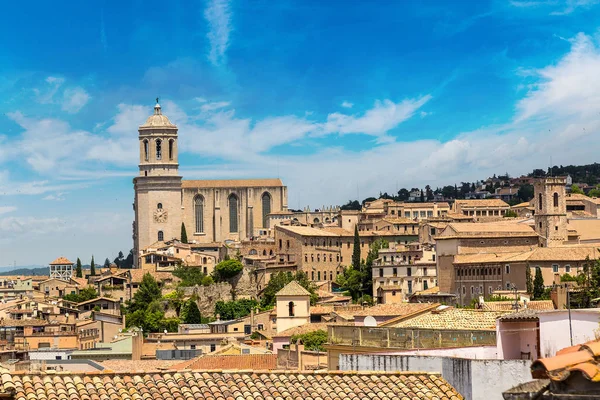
point(138, 365)
point(226, 362)
point(61, 261)
point(581, 360)
point(247, 385)
point(388, 310)
point(481, 203)
point(454, 319)
point(509, 305)
point(293, 289)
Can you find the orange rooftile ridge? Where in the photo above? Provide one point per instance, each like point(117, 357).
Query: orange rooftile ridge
point(183, 385)
point(61, 261)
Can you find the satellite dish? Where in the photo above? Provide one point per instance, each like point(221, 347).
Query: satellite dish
point(370, 321)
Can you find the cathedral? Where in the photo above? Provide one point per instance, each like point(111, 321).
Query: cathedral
point(211, 210)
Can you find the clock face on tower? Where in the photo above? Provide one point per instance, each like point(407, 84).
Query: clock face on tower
point(160, 215)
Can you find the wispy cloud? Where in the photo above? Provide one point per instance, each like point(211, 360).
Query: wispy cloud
point(7, 209)
point(74, 99)
point(214, 106)
point(555, 7)
point(218, 16)
point(347, 104)
point(60, 196)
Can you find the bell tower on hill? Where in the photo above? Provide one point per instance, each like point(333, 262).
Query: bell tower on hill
point(551, 211)
point(157, 202)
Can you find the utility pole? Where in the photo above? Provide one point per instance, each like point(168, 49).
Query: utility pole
point(569, 308)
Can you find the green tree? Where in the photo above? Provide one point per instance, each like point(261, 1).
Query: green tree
point(279, 280)
point(595, 192)
point(403, 194)
point(510, 214)
point(192, 315)
point(119, 261)
point(313, 341)
point(106, 263)
point(356, 249)
point(92, 267)
point(428, 193)
point(78, 270)
point(191, 276)
point(228, 310)
point(422, 199)
point(538, 284)
point(367, 272)
point(84, 294)
point(227, 269)
point(352, 281)
point(525, 192)
point(528, 280)
point(575, 189)
point(184, 238)
point(148, 292)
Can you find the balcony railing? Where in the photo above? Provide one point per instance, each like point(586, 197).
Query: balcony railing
point(405, 338)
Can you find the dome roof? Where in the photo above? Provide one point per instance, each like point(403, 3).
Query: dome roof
point(158, 120)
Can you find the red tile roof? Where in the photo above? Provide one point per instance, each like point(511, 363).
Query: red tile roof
point(232, 361)
point(61, 261)
point(583, 359)
point(187, 385)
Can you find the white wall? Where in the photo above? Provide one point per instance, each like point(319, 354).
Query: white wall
point(555, 333)
point(474, 379)
point(50, 355)
point(475, 353)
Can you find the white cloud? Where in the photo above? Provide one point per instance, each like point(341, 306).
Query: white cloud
point(55, 197)
point(128, 119)
point(7, 209)
point(347, 104)
point(218, 16)
point(384, 116)
point(214, 106)
point(17, 226)
point(74, 99)
point(558, 7)
point(45, 95)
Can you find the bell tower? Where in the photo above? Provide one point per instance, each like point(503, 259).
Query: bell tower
point(157, 203)
point(550, 211)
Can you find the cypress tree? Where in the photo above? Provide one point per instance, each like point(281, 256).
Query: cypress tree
point(92, 267)
point(538, 284)
point(356, 250)
point(184, 238)
point(528, 280)
point(78, 271)
point(193, 313)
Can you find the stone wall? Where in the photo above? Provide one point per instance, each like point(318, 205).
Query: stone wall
point(474, 379)
point(209, 295)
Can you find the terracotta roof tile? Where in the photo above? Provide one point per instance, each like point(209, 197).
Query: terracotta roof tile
point(231, 361)
point(481, 203)
point(226, 385)
point(508, 305)
point(454, 319)
point(61, 261)
point(293, 289)
point(582, 359)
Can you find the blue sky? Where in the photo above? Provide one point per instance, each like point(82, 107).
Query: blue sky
point(334, 97)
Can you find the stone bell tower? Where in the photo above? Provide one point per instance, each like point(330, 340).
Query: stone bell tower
point(550, 211)
point(157, 202)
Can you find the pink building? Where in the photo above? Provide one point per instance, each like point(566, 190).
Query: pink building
point(531, 334)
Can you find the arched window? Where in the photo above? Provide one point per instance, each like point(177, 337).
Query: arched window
point(555, 199)
point(316, 220)
point(233, 213)
point(204, 260)
point(158, 149)
point(199, 213)
point(146, 150)
point(171, 142)
point(291, 308)
point(161, 236)
point(159, 206)
point(253, 252)
point(540, 201)
point(264, 252)
point(266, 208)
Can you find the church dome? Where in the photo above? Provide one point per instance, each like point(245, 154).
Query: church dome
point(158, 120)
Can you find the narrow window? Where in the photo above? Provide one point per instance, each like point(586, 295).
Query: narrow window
point(159, 206)
point(161, 236)
point(291, 308)
point(266, 208)
point(555, 199)
point(233, 213)
point(540, 201)
point(158, 149)
point(199, 213)
point(146, 150)
point(171, 142)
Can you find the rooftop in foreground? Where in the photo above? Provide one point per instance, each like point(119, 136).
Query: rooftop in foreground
point(180, 385)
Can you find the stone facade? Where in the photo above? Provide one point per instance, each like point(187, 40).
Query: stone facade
point(212, 211)
point(551, 211)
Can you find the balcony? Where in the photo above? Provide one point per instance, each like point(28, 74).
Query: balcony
point(405, 338)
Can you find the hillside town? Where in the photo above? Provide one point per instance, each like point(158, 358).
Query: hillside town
point(481, 296)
